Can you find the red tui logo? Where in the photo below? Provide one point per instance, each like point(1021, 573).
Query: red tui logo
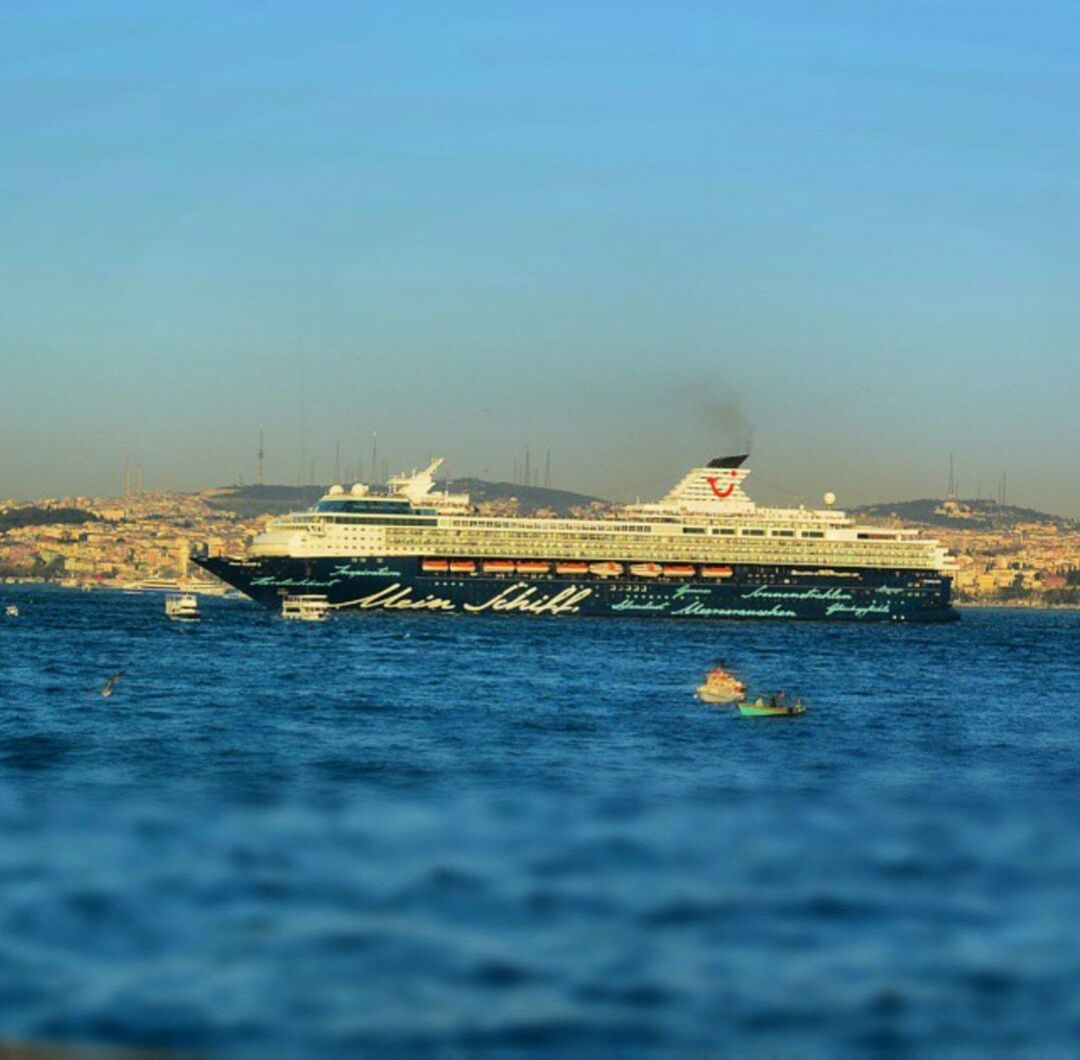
point(723, 494)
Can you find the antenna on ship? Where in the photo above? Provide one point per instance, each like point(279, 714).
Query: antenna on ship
point(337, 461)
point(262, 459)
point(374, 456)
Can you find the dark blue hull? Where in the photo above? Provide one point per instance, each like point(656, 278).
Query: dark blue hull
point(399, 584)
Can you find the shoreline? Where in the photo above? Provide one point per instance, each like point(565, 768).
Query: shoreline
point(1004, 605)
point(200, 588)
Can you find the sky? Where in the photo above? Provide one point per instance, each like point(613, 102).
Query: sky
point(636, 234)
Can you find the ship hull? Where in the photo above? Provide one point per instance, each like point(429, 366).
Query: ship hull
point(399, 584)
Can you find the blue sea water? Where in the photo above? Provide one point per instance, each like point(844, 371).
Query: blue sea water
point(449, 834)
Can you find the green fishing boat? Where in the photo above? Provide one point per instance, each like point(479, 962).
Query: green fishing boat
point(760, 709)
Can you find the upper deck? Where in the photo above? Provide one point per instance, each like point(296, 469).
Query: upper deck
point(706, 517)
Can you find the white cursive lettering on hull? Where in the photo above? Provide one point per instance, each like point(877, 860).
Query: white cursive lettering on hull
point(629, 604)
point(859, 611)
point(397, 597)
point(519, 597)
point(349, 570)
point(698, 608)
point(769, 593)
point(565, 601)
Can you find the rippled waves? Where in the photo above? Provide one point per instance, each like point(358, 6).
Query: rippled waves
point(441, 833)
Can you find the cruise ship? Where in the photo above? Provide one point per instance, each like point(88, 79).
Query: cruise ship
point(704, 551)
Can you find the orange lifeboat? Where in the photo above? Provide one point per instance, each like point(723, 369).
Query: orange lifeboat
point(679, 570)
point(533, 566)
point(646, 570)
point(606, 570)
point(462, 566)
point(571, 568)
point(433, 566)
point(716, 572)
point(498, 566)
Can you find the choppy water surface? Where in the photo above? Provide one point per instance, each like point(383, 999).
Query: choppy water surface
point(451, 833)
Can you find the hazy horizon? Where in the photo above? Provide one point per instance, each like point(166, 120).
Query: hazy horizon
point(638, 238)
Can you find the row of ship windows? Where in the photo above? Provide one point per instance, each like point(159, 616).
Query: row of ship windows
point(477, 542)
point(750, 577)
point(516, 525)
point(381, 521)
point(650, 589)
point(584, 535)
point(730, 531)
point(548, 527)
point(842, 557)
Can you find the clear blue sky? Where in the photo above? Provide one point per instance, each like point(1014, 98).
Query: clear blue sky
point(603, 228)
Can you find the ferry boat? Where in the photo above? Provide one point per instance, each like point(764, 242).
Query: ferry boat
point(305, 607)
point(182, 607)
point(704, 551)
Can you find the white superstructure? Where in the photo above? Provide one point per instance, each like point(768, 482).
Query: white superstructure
point(707, 518)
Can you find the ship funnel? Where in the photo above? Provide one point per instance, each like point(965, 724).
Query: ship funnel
point(715, 489)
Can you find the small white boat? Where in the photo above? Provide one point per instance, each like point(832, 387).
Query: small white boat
point(306, 608)
point(720, 687)
point(11, 611)
point(182, 607)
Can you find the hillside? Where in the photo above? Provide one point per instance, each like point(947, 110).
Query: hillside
point(531, 498)
point(984, 515)
point(12, 518)
point(250, 501)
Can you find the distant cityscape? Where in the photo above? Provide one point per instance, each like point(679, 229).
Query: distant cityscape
point(143, 540)
point(1004, 555)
